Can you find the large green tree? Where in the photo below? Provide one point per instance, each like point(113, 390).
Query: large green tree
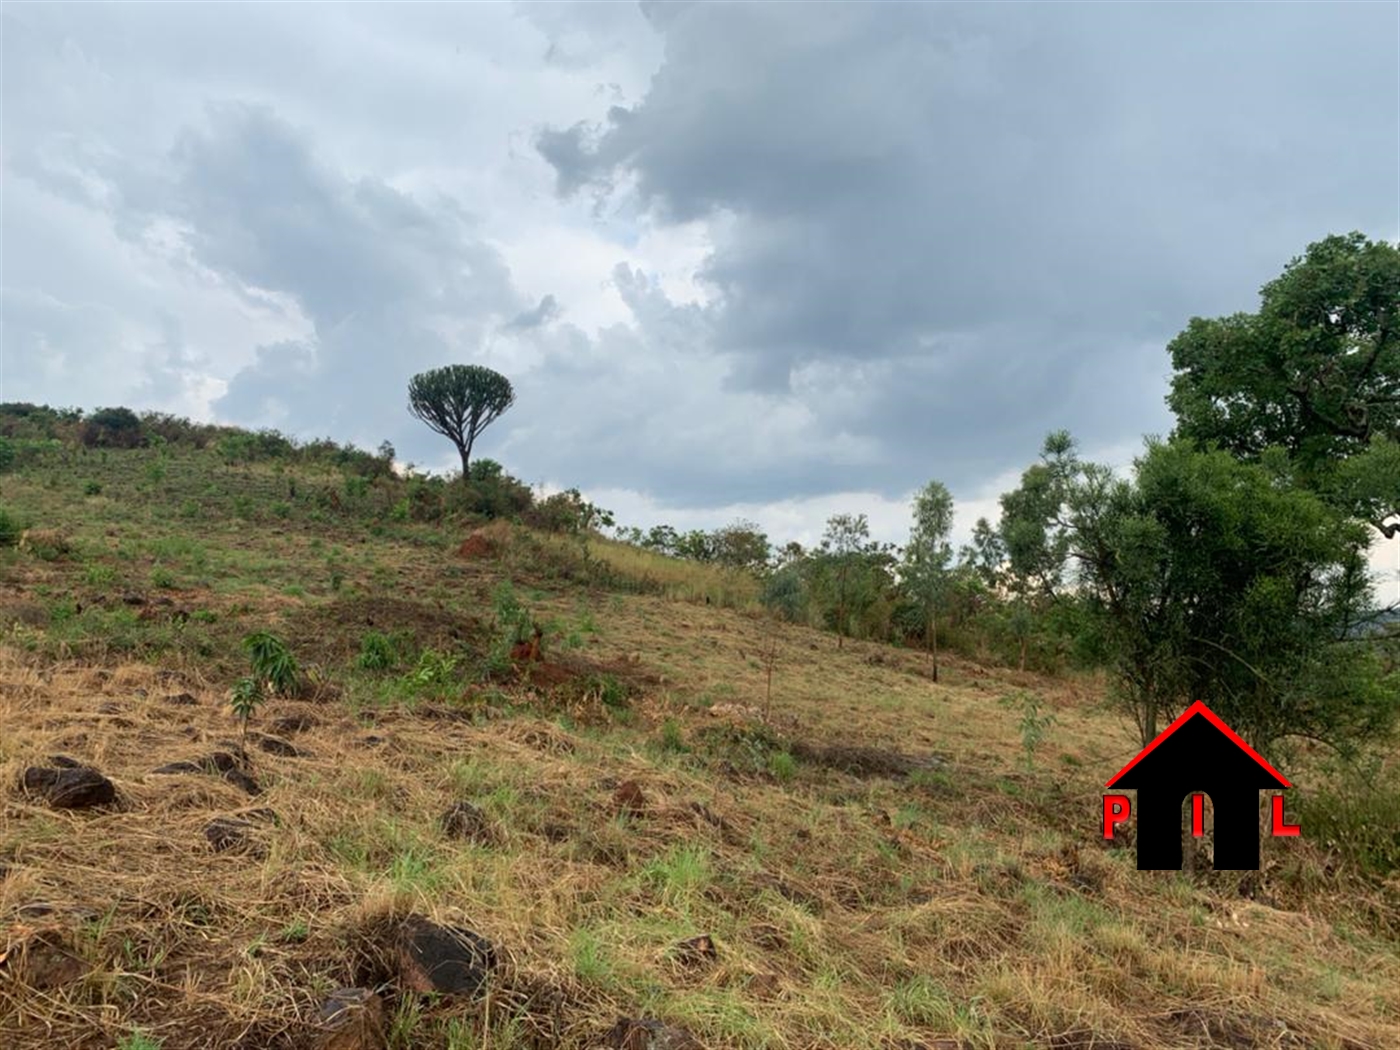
point(459, 402)
point(1220, 580)
point(926, 559)
point(1315, 372)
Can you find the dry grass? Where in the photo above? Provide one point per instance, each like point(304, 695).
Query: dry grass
point(844, 916)
point(673, 578)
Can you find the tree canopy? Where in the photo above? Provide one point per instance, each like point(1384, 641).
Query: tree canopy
point(459, 402)
point(1315, 372)
point(1219, 580)
point(926, 559)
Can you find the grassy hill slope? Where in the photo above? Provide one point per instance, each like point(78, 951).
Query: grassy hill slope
point(876, 865)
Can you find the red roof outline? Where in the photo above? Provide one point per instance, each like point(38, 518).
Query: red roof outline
point(1199, 708)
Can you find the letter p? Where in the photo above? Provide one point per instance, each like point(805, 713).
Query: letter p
point(1116, 810)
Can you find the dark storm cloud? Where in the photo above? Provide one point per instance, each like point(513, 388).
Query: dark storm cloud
point(998, 207)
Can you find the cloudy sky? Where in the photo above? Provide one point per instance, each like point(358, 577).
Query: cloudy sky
point(777, 260)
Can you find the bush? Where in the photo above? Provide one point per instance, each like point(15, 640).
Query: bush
point(46, 544)
point(1359, 817)
point(490, 492)
point(568, 512)
point(425, 501)
point(7, 454)
point(9, 529)
point(380, 651)
point(113, 428)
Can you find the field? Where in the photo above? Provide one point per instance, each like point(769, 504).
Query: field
point(878, 862)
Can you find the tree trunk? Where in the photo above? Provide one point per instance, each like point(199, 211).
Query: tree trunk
point(465, 452)
point(933, 641)
point(1023, 652)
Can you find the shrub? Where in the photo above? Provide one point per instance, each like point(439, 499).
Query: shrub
point(609, 690)
point(7, 454)
point(1034, 726)
point(672, 739)
point(380, 651)
point(1359, 817)
point(272, 662)
point(113, 428)
point(9, 529)
point(490, 493)
point(46, 544)
point(514, 624)
point(782, 765)
point(568, 512)
point(246, 699)
point(434, 669)
point(92, 488)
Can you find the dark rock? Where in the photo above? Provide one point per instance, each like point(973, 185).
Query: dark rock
point(226, 833)
point(297, 723)
point(373, 741)
point(352, 1019)
point(464, 821)
point(696, 951)
point(443, 959)
point(133, 599)
point(181, 699)
point(646, 1033)
point(64, 762)
point(77, 788)
point(275, 745)
point(629, 797)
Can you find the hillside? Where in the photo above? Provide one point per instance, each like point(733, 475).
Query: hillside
point(882, 863)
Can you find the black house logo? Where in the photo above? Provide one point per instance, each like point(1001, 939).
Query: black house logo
point(1197, 755)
